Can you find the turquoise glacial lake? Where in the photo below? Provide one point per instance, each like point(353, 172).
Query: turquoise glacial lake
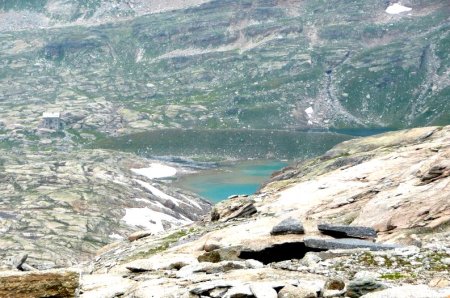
point(241, 178)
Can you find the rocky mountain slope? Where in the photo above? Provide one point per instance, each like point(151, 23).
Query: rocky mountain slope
point(370, 217)
point(223, 64)
point(59, 207)
point(224, 79)
point(30, 14)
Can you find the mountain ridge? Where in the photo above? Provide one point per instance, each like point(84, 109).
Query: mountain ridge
point(231, 64)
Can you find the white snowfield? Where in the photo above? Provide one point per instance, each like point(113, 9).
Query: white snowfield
point(397, 8)
point(156, 170)
point(149, 219)
point(157, 192)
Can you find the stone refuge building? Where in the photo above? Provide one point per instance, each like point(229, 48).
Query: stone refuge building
point(52, 120)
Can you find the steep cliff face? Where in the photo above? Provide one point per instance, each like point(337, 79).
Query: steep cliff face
point(309, 224)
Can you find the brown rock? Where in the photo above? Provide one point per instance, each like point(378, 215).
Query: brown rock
point(51, 283)
point(439, 282)
point(246, 210)
point(138, 235)
point(221, 254)
point(436, 172)
point(212, 256)
point(334, 284)
point(235, 207)
point(211, 245)
point(107, 248)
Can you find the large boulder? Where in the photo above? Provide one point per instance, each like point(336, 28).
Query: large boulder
point(261, 290)
point(288, 226)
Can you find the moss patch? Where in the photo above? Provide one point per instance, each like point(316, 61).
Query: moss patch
point(393, 276)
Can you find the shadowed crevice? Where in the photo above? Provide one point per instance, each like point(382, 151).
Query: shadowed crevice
point(279, 252)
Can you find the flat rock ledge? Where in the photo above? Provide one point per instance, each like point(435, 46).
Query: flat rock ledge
point(51, 283)
point(342, 231)
point(345, 243)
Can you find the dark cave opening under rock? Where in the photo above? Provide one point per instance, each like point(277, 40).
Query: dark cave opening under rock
point(278, 252)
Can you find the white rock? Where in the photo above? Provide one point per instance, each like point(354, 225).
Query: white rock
point(253, 264)
point(310, 260)
point(333, 293)
point(296, 292)
point(239, 291)
point(309, 111)
point(218, 292)
point(263, 291)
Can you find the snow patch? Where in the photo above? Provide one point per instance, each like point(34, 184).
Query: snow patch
point(157, 192)
point(156, 170)
point(139, 55)
point(142, 200)
point(397, 8)
point(149, 219)
point(115, 236)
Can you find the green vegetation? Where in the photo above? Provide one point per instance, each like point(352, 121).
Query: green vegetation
point(368, 259)
point(159, 245)
point(393, 276)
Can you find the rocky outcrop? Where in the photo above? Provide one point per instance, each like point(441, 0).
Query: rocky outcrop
point(381, 187)
point(52, 283)
point(234, 207)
